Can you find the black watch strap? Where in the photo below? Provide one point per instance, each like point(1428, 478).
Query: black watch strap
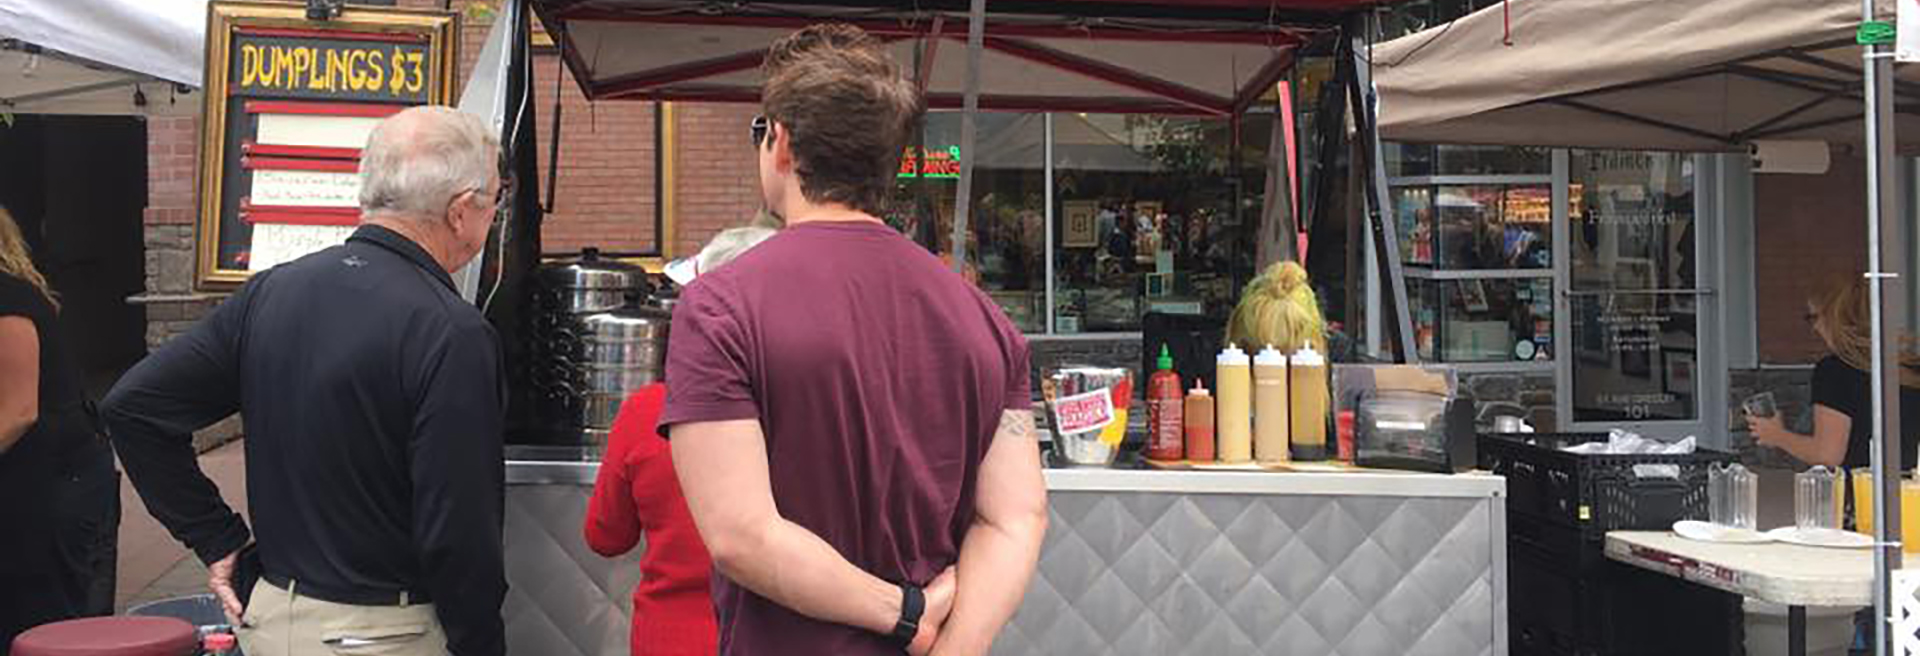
point(913, 603)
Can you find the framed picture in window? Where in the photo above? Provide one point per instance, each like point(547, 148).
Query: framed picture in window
point(1078, 221)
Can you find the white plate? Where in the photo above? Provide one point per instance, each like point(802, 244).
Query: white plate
point(1834, 538)
point(1708, 532)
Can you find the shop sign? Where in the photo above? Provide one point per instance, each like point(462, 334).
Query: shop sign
point(290, 103)
point(935, 164)
point(332, 69)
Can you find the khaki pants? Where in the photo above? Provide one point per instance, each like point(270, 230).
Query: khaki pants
point(280, 622)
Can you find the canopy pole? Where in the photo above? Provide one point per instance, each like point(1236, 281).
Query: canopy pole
point(1375, 208)
point(970, 104)
point(1886, 309)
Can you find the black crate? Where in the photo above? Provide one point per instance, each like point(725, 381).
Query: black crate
point(1566, 598)
point(1597, 493)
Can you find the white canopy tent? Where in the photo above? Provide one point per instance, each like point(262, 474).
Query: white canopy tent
point(122, 57)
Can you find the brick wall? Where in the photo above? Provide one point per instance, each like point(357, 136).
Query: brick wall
point(1808, 230)
point(717, 174)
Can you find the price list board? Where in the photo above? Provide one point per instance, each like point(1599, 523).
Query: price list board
point(289, 105)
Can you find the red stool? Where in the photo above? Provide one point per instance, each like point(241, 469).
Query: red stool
point(110, 636)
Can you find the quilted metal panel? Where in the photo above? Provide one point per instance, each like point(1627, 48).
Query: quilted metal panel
point(1157, 573)
point(563, 599)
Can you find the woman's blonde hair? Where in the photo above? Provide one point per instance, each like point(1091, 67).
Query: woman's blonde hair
point(1842, 315)
point(16, 262)
point(1278, 309)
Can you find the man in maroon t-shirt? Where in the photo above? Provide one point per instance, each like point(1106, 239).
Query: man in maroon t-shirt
point(844, 372)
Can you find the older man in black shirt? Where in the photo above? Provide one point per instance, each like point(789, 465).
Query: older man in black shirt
point(373, 408)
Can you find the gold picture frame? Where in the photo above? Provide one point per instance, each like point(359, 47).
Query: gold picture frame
point(229, 20)
point(1079, 224)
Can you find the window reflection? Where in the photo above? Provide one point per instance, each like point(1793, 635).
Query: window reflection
point(1633, 265)
point(1143, 206)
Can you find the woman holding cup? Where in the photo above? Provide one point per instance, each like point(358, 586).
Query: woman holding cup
point(1842, 390)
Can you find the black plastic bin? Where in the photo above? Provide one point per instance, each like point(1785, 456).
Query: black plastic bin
point(1598, 493)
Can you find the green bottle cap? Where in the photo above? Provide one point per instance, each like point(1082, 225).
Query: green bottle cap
point(1166, 358)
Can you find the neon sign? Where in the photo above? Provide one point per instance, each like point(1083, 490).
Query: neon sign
point(937, 163)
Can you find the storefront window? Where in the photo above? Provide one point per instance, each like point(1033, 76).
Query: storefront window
point(1413, 159)
point(1006, 241)
point(1145, 217)
point(1144, 213)
point(1634, 295)
point(1482, 319)
point(1475, 230)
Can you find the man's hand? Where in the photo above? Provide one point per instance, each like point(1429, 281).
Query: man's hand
point(939, 595)
point(220, 581)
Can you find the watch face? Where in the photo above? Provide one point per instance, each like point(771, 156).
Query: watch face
point(1524, 349)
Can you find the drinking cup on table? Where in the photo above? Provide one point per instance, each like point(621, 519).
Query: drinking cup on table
point(1813, 506)
point(1863, 500)
point(1760, 406)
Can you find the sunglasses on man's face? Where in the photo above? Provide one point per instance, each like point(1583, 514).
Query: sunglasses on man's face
point(758, 130)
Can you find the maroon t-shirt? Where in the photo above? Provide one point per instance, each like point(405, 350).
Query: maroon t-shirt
point(879, 377)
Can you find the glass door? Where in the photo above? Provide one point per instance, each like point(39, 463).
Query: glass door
point(1637, 304)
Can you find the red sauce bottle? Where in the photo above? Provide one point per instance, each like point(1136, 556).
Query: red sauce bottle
point(1165, 412)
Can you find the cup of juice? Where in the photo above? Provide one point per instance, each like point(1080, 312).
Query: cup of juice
point(1863, 500)
point(1909, 514)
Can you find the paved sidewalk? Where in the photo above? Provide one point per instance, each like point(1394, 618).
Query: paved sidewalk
point(153, 565)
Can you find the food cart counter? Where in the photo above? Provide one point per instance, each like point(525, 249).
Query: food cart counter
point(1135, 562)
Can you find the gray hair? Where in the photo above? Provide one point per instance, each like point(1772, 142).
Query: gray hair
point(416, 161)
point(730, 244)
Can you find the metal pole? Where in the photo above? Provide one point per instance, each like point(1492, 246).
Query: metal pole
point(962, 206)
point(1046, 121)
point(1883, 209)
point(1376, 207)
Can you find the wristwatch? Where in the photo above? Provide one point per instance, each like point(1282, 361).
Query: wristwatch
point(913, 602)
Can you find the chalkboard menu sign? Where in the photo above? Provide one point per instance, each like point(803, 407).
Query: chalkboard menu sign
point(289, 105)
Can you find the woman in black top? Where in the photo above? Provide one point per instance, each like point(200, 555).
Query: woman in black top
point(1842, 393)
point(58, 492)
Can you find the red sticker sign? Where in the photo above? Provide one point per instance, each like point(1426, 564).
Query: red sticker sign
point(1083, 412)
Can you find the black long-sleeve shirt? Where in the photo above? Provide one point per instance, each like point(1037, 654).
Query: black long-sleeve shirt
point(372, 398)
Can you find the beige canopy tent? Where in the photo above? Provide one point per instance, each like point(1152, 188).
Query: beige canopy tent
point(1704, 75)
point(1710, 75)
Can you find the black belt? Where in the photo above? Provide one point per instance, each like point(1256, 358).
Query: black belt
point(345, 596)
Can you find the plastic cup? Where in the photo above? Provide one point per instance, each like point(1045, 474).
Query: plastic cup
point(1761, 405)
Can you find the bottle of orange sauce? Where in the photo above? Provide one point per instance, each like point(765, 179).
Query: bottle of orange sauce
point(1198, 416)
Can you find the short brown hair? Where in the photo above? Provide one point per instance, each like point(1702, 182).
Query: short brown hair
point(847, 111)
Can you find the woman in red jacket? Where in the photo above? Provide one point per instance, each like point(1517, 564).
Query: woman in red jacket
point(637, 492)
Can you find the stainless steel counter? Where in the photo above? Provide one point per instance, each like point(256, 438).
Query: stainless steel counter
point(1136, 562)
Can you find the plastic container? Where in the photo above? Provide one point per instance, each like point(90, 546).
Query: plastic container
point(1813, 499)
point(1733, 494)
point(1598, 493)
point(1310, 403)
point(1166, 405)
point(1233, 425)
point(1198, 416)
point(1271, 427)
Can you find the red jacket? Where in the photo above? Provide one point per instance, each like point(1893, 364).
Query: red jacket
point(638, 492)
